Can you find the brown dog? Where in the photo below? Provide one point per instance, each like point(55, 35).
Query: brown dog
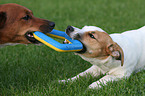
point(17, 24)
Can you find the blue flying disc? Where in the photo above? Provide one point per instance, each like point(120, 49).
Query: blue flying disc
point(74, 45)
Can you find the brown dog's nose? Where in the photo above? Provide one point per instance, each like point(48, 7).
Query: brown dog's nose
point(52, 24)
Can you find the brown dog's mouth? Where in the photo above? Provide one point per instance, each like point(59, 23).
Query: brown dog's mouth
point(30, 37)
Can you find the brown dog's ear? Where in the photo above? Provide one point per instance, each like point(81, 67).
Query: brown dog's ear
point(116, 51)
point(3, 19)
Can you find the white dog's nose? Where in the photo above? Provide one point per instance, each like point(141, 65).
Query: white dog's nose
point(69, 29)
point(72, 31)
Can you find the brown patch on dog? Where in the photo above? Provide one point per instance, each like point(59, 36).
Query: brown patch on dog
point(100, 45)
point(96, 43)
point(116, 51)
point(17, 23)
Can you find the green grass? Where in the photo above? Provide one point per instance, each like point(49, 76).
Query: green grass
point(34, 70)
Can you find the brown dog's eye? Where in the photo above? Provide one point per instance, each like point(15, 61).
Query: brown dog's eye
point(27, 17)
point(92, 36)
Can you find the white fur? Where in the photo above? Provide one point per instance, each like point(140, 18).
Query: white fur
point(6, 44)
point(84, 29)
point(133, 45)
point(13, 44)
point(91, 28)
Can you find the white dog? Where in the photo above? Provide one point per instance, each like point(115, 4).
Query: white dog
point(116, 55)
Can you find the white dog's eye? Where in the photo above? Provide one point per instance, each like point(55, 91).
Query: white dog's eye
point(92, 36)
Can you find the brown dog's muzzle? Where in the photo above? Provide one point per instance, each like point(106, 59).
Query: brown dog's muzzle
point(47, 27)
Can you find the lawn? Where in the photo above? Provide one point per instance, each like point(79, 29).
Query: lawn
point(34, 70)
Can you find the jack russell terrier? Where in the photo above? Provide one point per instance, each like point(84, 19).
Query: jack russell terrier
point(116, 55)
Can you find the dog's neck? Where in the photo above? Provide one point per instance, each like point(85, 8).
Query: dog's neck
point(105, 64)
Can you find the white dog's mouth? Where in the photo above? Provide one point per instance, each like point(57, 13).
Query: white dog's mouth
point(83, 50)
point(80, 52)
point(73, 33)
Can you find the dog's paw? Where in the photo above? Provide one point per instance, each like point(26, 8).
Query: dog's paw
point(95, 85)
point(62, 81)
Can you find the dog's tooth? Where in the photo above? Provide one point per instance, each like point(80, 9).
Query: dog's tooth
point(29, 35)
point(65, 41)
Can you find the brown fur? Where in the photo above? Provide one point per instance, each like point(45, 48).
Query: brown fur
point(101, 46)
point(14, 26)
point(96, 46)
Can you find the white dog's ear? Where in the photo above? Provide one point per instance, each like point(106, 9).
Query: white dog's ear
point(116, 51)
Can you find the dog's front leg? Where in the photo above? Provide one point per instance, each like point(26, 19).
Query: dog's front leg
point(103, 81)
point(94, 71)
